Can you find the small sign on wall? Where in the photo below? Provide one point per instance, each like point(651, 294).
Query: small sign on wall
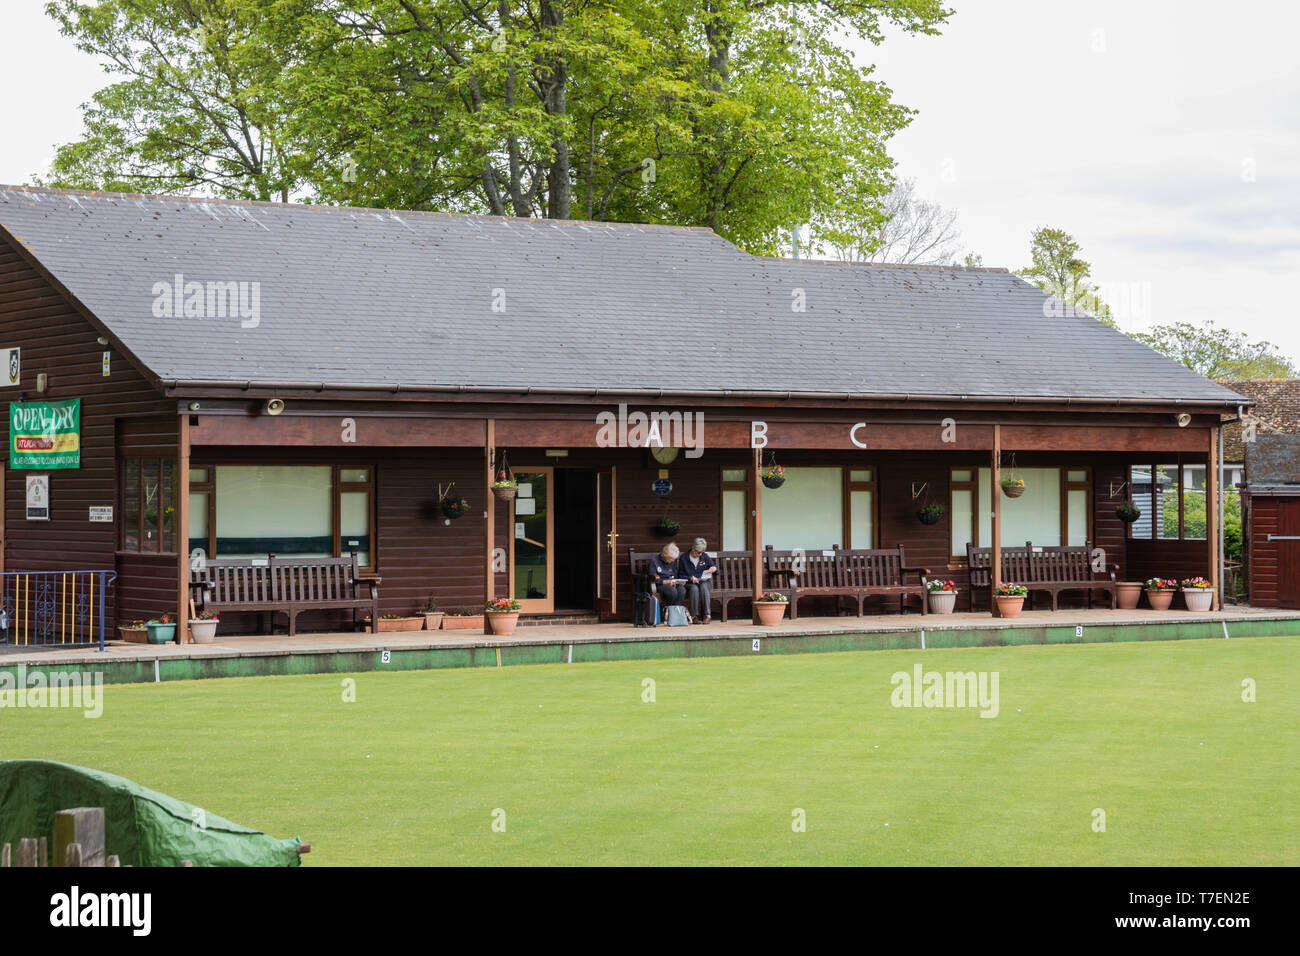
point(38, 497)
point(108, 364)
point(13, 367)
point(101, 513)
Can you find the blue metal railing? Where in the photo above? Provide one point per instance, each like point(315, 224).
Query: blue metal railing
point(54, 608)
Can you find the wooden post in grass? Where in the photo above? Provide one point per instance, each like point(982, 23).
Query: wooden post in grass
point(82, 827)
point(756, 529)
point(995, 556)
point(1212, 515)
point(490, 534)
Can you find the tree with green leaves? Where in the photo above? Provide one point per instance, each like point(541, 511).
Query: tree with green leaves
point(1217, 352)
point(740, 115)
point(1058, 270)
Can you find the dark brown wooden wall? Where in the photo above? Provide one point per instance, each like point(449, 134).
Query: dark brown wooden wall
point(1263, 520)
point(57, 340)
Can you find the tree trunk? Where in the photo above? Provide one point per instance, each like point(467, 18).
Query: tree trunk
point(556, 81)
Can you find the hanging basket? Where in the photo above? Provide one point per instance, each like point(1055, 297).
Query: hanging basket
point(1013, 491)
point(1128, 513)
point(455, 507)
point(773, 481)
point(667, 528)
point(929, 516)
point(505, 492)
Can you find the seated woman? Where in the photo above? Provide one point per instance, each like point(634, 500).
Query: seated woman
point(665, 579)
point(698, 568)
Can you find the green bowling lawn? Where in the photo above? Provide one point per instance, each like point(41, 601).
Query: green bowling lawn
point(580, 769)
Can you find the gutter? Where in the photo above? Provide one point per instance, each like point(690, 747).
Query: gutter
point(247, 385)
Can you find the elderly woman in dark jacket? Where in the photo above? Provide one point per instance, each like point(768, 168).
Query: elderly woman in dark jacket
point(666, 581)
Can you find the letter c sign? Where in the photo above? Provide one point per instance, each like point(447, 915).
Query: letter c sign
point(853, 434)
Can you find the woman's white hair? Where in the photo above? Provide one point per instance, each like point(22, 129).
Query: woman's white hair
point(670, 551)
point(701, 544)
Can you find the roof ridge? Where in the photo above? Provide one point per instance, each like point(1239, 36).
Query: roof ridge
point(262, 203)
point(931, 266)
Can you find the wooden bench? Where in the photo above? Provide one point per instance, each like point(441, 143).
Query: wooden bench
point(288, 585)
point(733, 581)
point(837, 573)
point(1052, 569)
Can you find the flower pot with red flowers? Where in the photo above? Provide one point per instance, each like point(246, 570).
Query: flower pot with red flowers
point(161, 629)
point(943, 596)
point(505, 487)
point(502, 615)
point(203, 627)
point(1013, 487)
point(1160, 592)
point(770, 606)
point(1198, 593)
point(1011, 599)
point(1128, 594)
point(773, 476)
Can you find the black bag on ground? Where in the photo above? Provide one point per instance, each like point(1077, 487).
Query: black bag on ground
point(643, 609)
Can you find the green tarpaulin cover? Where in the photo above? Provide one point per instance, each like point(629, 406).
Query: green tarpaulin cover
point(142, 826)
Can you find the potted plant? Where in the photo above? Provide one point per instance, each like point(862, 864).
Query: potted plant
point(134, 632)
point(667, 528)
point(930, 514)
point(455, 507)
point(943, 596)
point(400, 622)
point(502, 615)
point(1128, 594)
point(1160, 592)
point(773, 475)
point(1010, 598)
point(161, 629)
point(1013, 487)
point(1198, 593)
point(467, 618)
point(432, 616)
point(505, 488)
point(1128, 512)
point(771, 607)
point(203, 627)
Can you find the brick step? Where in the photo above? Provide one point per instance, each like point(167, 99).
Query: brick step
point(536, 620)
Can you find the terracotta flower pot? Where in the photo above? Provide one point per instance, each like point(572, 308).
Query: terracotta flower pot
point(134, 635)
point(1129, 593)
point(466, 622)
point(942, 602)
point(401, 623)
point(502, 622)
point(203, 632)
point(1010, 605)
point(770, 613)
point(1198, 599)
point(433, 620)
point(1160, 600)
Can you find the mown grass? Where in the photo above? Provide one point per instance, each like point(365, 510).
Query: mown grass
point(1156, 735)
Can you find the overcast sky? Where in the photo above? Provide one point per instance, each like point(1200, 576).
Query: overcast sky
point(1164, 136)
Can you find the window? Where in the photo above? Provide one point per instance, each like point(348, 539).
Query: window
point(148, 505)
point(816, 508)
point(1055, 508)
point(1172, 499)
point(250, 511)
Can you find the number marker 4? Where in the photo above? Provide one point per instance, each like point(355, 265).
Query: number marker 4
point(758, 644)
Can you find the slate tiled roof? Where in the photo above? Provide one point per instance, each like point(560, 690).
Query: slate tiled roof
point(1277, 411)
point(381, 298)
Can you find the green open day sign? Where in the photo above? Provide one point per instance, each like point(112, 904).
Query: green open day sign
point(45, 434)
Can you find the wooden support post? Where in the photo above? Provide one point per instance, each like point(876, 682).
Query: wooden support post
point(756, 529)
point(183, 531)
point(27, 852)
point(82, 827)
point(490, 534)
point(1212, 515)
point(995, 489)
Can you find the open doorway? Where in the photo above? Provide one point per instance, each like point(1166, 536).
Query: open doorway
point(553, 548)
point(575, 530)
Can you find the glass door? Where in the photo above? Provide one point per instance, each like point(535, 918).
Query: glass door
point(532, 562)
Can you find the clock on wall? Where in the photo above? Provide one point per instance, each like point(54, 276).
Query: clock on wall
point(665, 456)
